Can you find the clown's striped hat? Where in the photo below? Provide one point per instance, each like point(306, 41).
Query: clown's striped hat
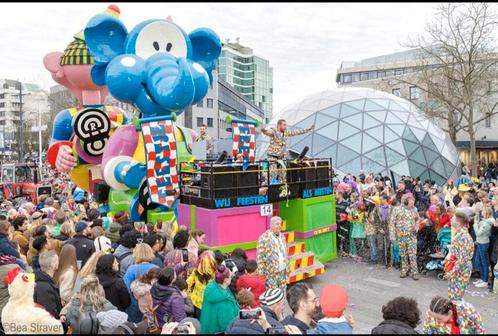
point(76, 52)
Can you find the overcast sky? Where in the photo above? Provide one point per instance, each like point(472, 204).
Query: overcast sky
point(305, 43)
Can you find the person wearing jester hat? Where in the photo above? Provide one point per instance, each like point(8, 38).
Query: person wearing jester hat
point(21, 315)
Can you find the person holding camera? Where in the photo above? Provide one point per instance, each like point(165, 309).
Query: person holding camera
point(272, 255)
point(219, 306)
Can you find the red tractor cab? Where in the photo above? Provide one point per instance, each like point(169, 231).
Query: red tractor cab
point(22, 180)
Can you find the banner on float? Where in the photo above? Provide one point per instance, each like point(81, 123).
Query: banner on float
point(160, 150)
point(244, 139)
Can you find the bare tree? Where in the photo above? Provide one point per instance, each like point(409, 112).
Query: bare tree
point(456, 65)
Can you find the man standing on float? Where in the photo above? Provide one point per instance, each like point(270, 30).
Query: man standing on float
point(278, 148)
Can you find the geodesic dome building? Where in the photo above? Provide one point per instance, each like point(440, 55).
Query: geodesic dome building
point(369, 130)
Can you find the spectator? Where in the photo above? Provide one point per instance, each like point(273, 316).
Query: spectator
point(183, 287)
point(342, 224)
point(36, 220)
point(115, 290)
point(253, 281)
point(84, 246)
point(66, 232)
point(60, 218)
point(20, 225)
point(333, 300)
point(140, 289)
point(46, 291)
point(5, 244)
point(199, 278)
point(40, 245)
point(245, 299)
point(156, 242)
point(124, 252)
point(142, 256)
point(67, 272)
point(272, 255)
point(401, 316)
point(167, 298)
point(219, 306)
point(174, 258)
point(304, 305)
point(452, 317)
point(91, 298)
point(196, 240)
point(482, 230)
point(450, 191)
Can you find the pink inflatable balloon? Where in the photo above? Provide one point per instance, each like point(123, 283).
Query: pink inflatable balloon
point(82, 154)
point(123, 142)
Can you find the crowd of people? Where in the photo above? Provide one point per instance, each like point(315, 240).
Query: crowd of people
point(101, 275)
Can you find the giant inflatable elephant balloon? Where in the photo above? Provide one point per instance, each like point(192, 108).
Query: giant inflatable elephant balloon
point(80, 133)
point(161, 70)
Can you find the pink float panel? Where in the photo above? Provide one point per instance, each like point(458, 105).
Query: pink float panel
point(232, 225)
point(251, 254)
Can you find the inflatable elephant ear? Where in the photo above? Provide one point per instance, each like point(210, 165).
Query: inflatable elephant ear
point(105, 35)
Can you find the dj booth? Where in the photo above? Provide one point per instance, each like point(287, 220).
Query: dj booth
point(225, 185)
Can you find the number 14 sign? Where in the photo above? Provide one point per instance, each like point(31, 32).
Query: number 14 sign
point(267, 209)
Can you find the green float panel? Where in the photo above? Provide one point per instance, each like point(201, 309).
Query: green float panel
point(322, 245)
point(303, 215)
point(166, 216)
point(120, 200)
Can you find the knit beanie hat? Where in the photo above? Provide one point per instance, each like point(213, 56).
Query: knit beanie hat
point(111, 319)
point(271, 296)
point(333, 300)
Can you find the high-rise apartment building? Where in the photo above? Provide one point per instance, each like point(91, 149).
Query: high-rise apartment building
point(249, 74)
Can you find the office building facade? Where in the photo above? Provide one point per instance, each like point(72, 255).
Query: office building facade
point(389, 73)
point(250, 74)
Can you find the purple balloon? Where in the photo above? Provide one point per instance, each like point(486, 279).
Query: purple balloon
point(122, 142)
point(84, 155)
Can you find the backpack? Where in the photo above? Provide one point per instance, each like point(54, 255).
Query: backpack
point(88, 324)
point(124, 255)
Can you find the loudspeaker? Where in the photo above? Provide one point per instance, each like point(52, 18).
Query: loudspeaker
point(210, 183)
point(294, 172)
point(248, 180)
point(101, 191)
point(309, 177)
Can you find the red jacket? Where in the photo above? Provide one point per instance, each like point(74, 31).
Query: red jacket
point(256, 283)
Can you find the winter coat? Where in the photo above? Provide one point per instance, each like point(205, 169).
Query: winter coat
point(62, 237)
point(125, 262)
point(168, 303)
point(66, 284)
point(6, 247)
point(393, 327)
point(115, 290)
point(219, 308)
point(22, 240)
point(47, 293)
point(467, 317)
point(483, 230)
point(196, 289)
point(84, 247)
point(74, 313)
point(244, 327)
point(255, 283)
point(332, 326)
point(132, 273)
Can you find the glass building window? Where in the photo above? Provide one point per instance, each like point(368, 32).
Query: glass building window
point(2, 104)
point(346, 78)
point(364, 76)
point(397, 92)
point(209, 122)
point(399, 72)
point(389, 73)
point(200, 104)
point(381, 74)
point(2, 96)
point(209, 103)
point(372, 74)
point(488, 120)
point(356, 77)
point(200, 121)
point(414, 93)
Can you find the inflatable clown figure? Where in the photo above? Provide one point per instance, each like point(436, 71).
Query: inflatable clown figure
point(161, 70)
point(80, 133)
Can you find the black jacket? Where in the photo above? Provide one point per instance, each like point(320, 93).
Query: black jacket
point(84, 247)
point(62, 237)
point(6, 247)
point(393, 327)
point(47, 293)
point(115, 290)
point(241, 327)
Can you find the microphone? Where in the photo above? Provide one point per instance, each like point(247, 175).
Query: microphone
point(222, 157)
point(303, 153)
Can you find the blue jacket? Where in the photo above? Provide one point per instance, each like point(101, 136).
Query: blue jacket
point(332, 326)
point(6, 247)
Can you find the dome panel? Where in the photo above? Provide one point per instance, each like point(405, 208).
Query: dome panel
point(329, 131)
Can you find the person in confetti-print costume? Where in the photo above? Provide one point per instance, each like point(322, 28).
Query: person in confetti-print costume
point(459, 257)
point(446, 317)
point(272, 255)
